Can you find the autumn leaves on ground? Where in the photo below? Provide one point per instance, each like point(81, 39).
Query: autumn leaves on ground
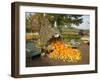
point(47, 61)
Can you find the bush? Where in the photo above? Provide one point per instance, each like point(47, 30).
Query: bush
point(69, 37)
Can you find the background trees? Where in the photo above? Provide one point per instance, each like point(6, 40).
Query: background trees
point(55, 20)
point(28, 22)
point(64, 20)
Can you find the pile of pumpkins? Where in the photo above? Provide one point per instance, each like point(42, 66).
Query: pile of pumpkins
point(64, 52)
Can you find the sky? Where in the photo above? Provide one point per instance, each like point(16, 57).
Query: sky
point(86, 23)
